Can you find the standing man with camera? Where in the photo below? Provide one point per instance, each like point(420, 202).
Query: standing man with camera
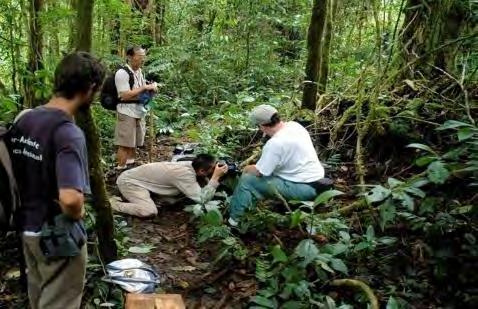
point(50, 165)
point(288, 166)
point(169, 180)
point(130, 125)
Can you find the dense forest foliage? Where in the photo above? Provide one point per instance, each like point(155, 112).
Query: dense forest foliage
point(388, 90)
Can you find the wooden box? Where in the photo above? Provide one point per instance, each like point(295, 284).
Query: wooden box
point(154, 301)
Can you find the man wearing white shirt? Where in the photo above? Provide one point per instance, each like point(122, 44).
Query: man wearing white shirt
point(130, 126)
point(288, 165)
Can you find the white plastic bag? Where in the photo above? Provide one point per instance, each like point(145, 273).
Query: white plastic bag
point(132, 275)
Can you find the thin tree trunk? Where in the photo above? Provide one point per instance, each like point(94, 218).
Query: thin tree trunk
point(13, 56)
point(324, 61)
point(104, 218)
point(35, 56)
point(72, 24)
point(314, 38)
point(116, 35)
point(248, 36)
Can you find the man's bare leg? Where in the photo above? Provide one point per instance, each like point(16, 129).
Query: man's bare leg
point(122, 155)
point(131, 155)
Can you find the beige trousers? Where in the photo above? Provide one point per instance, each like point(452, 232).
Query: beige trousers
point(53, 284)
point(140, 202)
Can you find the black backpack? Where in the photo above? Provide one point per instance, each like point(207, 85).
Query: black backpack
point(9, 198)
point(109, 94)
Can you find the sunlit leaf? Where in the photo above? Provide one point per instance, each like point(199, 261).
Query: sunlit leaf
point(140, 249)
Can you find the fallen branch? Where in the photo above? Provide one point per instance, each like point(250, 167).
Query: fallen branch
point(347, 209)
point(358, 285)
point(252, 158)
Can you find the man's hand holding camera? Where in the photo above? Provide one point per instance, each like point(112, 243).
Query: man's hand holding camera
point(219, 170)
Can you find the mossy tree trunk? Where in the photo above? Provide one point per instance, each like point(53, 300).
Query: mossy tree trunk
point(314, 44)
point(324, 60)
point(101, 205)
point(427, 28)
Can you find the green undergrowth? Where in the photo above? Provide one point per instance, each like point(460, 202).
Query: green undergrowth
point(414, 240)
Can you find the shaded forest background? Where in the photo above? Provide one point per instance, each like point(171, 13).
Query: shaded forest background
point(388, 90)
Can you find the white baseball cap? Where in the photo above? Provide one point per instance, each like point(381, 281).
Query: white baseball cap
point(262, 114)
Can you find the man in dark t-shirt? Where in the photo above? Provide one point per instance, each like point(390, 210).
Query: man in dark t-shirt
point(50, 164)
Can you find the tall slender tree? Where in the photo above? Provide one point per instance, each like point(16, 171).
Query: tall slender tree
point(104, 221)
point(35, 56)
point(324, 59)
point(158, 24)
point(314, 44)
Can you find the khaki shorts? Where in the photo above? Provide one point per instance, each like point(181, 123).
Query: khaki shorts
point(129, 131)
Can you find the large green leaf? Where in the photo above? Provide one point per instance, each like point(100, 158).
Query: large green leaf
point(466, 133)
point(337, 248)
point(294, 304)
point(393, 183)
point(425, 160)
point(330, 303)
point(392, 303)
point(295, 218)
point(453, 124)
point(377, 194)
point(213, 217)
point(308, 250)
point(339, 265)
point(415, 191)
point(265, 302)
point(388, 213)
point(437, 172)
point(278, 254)
point(324, 197)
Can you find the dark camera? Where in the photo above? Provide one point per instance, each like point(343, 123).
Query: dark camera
point(232, 167)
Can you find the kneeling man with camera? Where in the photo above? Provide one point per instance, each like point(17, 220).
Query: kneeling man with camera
point(288, 165)
point(169, 180)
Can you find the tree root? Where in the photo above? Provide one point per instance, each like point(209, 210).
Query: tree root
point(358, 285)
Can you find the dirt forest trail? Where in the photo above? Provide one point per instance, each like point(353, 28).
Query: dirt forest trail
point(184, 267)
